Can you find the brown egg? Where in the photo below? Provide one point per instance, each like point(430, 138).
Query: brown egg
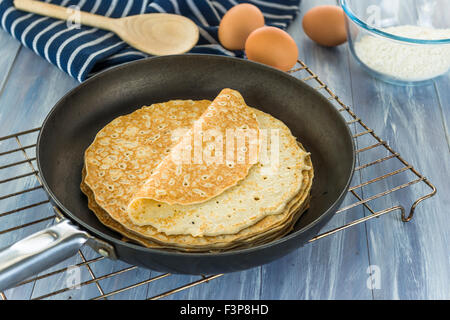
point(325, 25)
point(237, 24)
point(272, 46)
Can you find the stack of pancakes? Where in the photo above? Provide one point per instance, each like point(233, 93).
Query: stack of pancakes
point(145, 177)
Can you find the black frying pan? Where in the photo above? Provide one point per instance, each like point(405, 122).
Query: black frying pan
point(73, 123)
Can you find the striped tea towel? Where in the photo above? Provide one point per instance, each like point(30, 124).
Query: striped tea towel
point(83, 51)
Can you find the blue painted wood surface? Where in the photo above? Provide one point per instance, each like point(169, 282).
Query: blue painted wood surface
point(411, 259)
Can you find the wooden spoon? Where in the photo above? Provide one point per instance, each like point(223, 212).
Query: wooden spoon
point(154, 33)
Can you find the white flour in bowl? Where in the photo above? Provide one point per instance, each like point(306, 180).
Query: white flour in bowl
point(407, 62)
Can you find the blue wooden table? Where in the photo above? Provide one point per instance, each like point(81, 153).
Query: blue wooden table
point(383, 258)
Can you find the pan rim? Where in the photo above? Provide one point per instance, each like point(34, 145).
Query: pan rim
point(111, 240)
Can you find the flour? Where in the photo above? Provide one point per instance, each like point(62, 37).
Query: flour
point(407, 62)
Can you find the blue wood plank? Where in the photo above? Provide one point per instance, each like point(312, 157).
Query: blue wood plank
point(412, 257)
point(8, 51)
point(442, 85)
point(237, 285)
point(33, 88)
point(125, 276)
point(59, 282)
point(24, 102)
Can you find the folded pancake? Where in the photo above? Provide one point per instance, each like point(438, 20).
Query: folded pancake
point(212, 156)
point(268, 188)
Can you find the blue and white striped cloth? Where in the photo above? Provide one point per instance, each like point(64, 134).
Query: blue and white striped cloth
point(84, 51)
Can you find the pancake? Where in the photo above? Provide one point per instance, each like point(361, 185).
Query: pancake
point(294, 210)
point(261, 193)
point(271, 225)
point(262, 207)
point(203, 164)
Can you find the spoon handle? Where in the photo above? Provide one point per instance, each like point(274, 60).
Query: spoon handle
point(58, 12)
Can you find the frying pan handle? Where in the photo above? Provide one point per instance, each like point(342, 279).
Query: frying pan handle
point(38, 252)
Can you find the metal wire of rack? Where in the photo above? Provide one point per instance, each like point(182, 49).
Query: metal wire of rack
point(18, 153)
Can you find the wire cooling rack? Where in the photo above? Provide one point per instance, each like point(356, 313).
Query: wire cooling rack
point(28, 209)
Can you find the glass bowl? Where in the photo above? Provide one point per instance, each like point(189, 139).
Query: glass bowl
point(400, 41)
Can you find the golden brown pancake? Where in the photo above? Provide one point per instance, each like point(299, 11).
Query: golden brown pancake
point(261, 207)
